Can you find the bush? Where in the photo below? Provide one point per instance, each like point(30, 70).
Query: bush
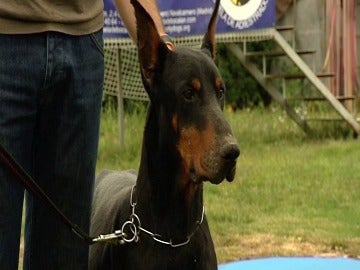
point(243, 91)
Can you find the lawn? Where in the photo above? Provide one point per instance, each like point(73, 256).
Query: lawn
point(293, 194)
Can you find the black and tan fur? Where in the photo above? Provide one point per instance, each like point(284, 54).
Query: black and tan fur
point(186, 142)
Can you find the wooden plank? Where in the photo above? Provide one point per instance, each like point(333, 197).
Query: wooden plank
point(319, 98)
point(276, 53)
point(348, 117)
point(285, 27)
point(295, 76)
point(324, 119)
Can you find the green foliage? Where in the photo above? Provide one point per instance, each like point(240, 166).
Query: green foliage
point(243, 91)
point(111, 154)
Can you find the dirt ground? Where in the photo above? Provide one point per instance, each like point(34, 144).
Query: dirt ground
point(245, 247)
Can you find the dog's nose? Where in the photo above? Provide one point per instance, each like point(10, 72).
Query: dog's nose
point(230, 152)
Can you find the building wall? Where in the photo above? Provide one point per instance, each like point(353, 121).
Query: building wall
point(307, 16)
point(312, 20)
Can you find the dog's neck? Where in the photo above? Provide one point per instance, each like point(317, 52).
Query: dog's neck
point(171, 208)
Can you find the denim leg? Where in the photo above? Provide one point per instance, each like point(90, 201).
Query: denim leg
point(50, 97)
point(65, 151)
point(21, 74)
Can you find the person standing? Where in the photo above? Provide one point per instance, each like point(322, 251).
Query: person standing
point(51, 79)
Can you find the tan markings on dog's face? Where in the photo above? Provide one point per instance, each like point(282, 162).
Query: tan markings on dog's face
point(196, 84)
point(194, 146)
point(174, 122)
point(187, 186)
point(219, 83)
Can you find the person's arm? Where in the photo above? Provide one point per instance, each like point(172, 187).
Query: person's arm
point(127, 15)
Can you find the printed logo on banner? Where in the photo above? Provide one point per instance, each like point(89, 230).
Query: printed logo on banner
point(244, 14)
point(190, 17)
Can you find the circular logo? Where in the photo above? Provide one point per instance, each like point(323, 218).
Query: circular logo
point(241, 9)
point(242, 14)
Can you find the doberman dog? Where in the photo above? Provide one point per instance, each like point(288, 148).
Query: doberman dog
point(186, 142)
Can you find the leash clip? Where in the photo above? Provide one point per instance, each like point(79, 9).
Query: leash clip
point(129, 230)
point(111, 237)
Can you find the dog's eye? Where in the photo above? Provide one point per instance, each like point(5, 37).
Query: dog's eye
point(221, 93)
point(189, 94)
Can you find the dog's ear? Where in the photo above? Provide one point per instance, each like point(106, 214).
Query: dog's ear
point(208, 43)
point(151, 48)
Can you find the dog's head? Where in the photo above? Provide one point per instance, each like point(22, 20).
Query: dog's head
point(186, 89)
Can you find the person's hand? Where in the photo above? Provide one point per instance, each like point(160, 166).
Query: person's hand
point(168, 41)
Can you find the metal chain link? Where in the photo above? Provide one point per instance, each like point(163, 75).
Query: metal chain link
point(133, 225)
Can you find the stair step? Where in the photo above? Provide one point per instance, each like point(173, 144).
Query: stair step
point(296, 76)
point(341, 98)
point(325, 119)
point(276, 53)
point(285, 27)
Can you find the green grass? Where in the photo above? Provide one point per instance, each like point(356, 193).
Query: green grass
point(293, 194)
point(111, 155)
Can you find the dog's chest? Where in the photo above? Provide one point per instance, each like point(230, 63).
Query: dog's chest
point(140, 257)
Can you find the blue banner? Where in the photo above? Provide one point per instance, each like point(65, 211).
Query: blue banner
point(190, 17)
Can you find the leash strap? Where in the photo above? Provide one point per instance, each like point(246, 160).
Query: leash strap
point(132, 226)
point(31, 186)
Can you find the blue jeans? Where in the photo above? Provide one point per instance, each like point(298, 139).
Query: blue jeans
point(50, 102)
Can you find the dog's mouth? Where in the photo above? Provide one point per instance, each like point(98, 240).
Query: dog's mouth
point(213, 164)
point(231, 172)
point(214, 175)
